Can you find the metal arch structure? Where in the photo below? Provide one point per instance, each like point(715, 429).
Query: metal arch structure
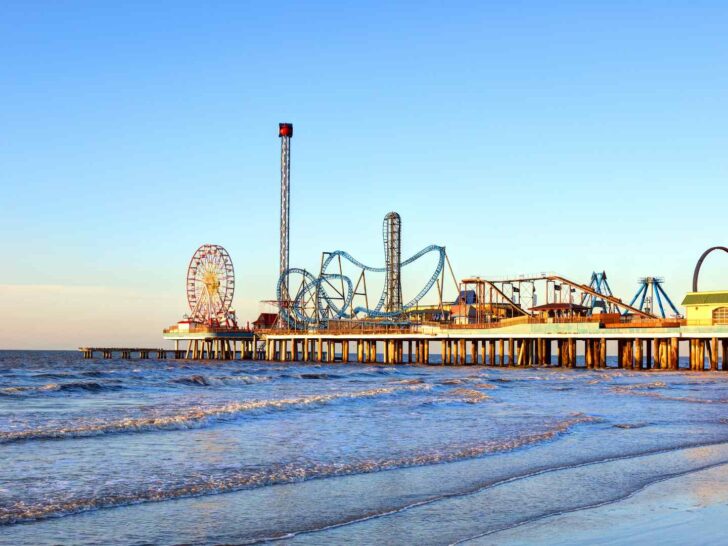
point(600, 286)
point(211, 286)
point(704, 255)
point(649, 292)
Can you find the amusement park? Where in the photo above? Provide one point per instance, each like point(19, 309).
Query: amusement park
point(348, 311)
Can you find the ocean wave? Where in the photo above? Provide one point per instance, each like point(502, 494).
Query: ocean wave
point(206, 381)
point(631, 425)
point(244, 478)
point(410, 381)
point(452, 381)
point(470, 379)
point(641, 386)
point(193, 417)
point(86, 386)
point(55, 375)
point(200, 380)
point(649, 390)
point(689, 399)
point(321, 375)
point(470, 396)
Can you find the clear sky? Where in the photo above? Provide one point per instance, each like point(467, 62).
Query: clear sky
point(524, 136)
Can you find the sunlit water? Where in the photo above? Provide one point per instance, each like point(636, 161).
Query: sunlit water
point(166, 452)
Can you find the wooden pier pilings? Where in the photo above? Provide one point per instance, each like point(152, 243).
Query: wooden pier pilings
point(197, 349)
point(590, 352)
point(644, 353)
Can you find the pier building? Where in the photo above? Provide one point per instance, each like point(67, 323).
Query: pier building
point(706, 308)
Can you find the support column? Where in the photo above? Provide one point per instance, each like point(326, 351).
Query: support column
point(674, 350)
point(648, 359)
point(588, 363)
point(637, 354)
point(520, 348)
point(572, 352)
point(628, 354)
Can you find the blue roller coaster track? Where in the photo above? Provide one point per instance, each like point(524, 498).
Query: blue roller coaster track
point(314, 289)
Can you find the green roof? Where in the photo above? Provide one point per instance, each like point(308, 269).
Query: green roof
point(703, 298)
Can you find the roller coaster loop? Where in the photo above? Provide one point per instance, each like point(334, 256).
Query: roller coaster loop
point(314, 289)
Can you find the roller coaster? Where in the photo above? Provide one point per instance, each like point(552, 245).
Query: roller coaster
point(332, 295)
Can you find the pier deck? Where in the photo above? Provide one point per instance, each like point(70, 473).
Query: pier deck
point(529, 343)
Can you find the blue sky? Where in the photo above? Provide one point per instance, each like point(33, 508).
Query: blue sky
point(524, 136)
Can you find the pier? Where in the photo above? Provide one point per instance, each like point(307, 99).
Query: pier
point(532, 342)
point(557, 347)
point(328, 315)
point(199, 351)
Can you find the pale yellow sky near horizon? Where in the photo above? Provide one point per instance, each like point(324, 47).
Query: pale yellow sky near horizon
point(66, 317)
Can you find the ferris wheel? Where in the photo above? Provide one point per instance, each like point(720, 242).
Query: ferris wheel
point(210, 286)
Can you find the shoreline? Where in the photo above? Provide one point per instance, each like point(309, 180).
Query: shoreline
point(687, 509)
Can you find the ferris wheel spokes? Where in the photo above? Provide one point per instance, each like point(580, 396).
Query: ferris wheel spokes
point(210, 286)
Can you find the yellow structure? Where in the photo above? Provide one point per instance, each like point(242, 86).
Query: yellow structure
point(706, 308)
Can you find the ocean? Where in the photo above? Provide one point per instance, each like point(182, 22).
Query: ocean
point(178, 452)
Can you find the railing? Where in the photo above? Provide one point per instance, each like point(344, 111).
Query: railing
point(604, 320)
point(647, 323)
point(498, 324)
point(366, 330)
point(706, 322)
point(206, 330)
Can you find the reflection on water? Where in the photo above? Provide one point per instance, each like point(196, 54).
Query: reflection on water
point(339, 451)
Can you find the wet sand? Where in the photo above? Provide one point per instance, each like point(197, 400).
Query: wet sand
point(690, 509)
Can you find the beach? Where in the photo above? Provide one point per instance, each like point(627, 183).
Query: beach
point(132, 452)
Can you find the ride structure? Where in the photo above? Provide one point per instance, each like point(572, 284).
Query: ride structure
point(211, 286)
point(210, 328)
point(595, 301)
point(651, 292)
point(562, 298)
point(333, 296)
point(285, 133)
point(696, 272)
point(392, 235)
